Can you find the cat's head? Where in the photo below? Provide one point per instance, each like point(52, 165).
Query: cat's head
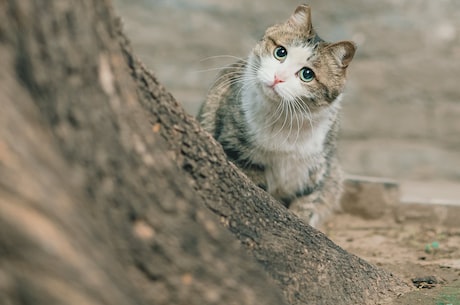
point(293, 62)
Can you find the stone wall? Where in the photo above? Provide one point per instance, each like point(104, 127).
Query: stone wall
point(401, 114)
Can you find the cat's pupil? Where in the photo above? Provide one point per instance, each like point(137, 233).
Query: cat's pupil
point(306, 74)
point(280, 52)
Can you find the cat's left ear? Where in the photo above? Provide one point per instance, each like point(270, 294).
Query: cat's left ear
point(343, 52)
point(301, 16)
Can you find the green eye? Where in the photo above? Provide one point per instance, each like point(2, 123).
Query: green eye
point(306, 74)
point(280, 53)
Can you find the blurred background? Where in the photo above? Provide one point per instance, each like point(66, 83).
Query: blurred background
point(401, 112)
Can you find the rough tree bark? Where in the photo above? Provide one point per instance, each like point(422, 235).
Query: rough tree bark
point(106, 186)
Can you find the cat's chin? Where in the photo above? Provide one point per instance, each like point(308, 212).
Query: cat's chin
point(270, 93)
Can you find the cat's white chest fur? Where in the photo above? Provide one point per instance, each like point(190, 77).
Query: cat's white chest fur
point(290, 145)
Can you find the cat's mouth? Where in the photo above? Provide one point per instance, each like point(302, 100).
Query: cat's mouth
point(270, 91)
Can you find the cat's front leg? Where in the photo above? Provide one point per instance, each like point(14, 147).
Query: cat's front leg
point(319, 206)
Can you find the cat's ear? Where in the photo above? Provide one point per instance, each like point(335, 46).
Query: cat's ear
point(343, 52)
point(301, 16)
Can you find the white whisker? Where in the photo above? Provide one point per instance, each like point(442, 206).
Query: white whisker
point(223, 56)
point(212, 69)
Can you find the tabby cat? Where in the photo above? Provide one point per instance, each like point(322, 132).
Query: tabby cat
point(276, 115)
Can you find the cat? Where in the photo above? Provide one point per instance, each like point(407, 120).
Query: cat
point(276, 115)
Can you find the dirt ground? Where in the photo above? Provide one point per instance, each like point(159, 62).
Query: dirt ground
point(428, 254)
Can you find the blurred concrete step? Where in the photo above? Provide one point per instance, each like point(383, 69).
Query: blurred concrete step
point(430, 192)
point(429, 202)
point(425, 202)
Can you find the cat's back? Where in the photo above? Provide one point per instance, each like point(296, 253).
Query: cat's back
point(222, 97)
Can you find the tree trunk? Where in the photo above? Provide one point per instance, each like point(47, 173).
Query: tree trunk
point(106, 186)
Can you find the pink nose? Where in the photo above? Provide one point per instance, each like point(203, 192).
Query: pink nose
point(277, 80)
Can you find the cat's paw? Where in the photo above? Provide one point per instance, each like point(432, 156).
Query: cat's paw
point(307, 212)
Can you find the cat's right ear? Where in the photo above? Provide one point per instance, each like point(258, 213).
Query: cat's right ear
point(301, 16)
point(343, 52)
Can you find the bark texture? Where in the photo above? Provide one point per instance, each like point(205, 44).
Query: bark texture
point(109, 191)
